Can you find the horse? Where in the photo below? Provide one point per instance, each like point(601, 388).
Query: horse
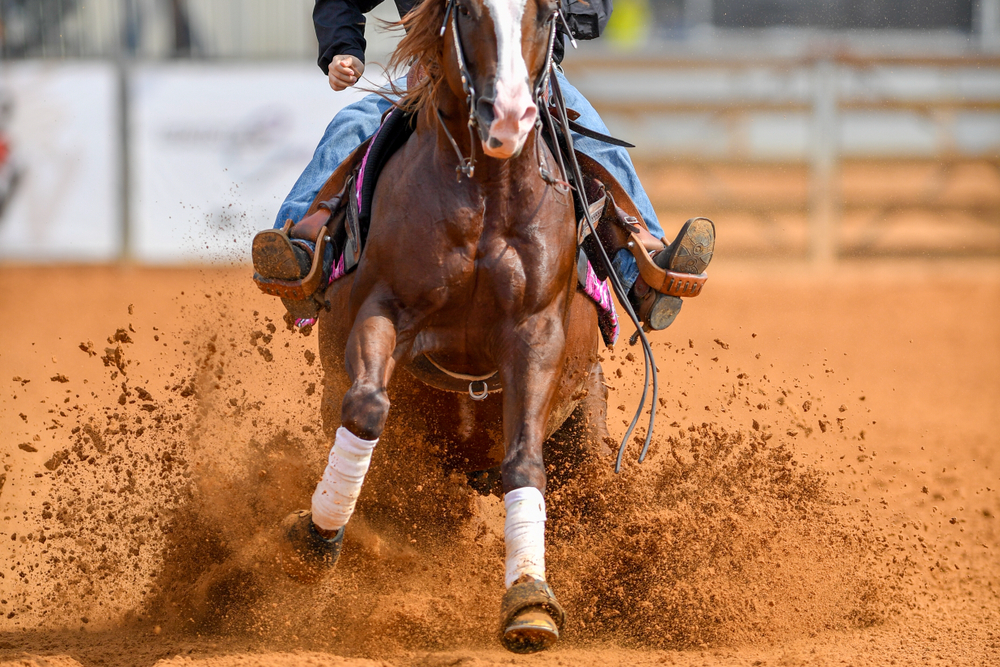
point(469, 274)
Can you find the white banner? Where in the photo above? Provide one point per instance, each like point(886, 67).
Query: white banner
point(60, 187)
point(215, 149)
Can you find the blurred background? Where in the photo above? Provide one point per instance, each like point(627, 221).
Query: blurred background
point(168, 131)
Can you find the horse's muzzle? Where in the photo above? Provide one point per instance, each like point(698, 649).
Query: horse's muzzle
point(508, 119)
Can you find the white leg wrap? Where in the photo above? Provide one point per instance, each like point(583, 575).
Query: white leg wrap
point(524, 534)
point(335, 495)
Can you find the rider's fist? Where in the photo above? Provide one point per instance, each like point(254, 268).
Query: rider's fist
point(345, 71)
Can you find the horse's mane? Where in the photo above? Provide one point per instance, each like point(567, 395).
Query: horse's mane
point(422, 47)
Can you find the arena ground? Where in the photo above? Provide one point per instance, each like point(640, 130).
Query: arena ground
point(823, 490)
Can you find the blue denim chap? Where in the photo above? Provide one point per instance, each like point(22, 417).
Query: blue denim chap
point(356, 122)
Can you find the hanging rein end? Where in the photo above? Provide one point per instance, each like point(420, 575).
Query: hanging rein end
point(576, 176)
point(635, 337)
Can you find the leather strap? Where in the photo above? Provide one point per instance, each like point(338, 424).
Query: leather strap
point(593, 134)
point(352, 226)
point(308, 227)
point(587, 132)
point(431, 373)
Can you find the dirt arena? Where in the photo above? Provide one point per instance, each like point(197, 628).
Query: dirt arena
point(823, 488)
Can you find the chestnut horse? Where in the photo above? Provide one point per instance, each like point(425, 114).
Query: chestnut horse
point(474, 274)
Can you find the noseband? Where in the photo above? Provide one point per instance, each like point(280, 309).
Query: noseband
point(467, 165)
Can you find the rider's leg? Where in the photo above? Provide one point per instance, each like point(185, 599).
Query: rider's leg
point(618, 162)
point(275, 255)
point(351, 126)
point(689, 252)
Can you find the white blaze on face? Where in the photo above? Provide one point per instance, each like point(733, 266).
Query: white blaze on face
point(514, 110)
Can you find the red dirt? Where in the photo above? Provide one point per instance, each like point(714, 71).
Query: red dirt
point(823, 487)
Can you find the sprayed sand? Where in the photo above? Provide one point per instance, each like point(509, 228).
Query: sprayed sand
point(822, 490)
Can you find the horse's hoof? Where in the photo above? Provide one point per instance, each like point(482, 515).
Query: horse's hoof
point(531, 631)
point(532, 617)
point(304, 554)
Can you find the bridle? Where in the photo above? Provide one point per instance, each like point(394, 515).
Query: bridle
point(467, 165)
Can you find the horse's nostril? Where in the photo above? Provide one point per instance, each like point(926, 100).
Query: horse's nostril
point(485, 111)
point(495, 143)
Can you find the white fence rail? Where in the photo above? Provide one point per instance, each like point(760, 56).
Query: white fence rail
point(819, 116)
point(181, 161)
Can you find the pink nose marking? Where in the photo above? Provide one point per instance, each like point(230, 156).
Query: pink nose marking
point(514, 114)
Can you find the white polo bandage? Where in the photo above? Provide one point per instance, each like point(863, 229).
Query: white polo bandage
point(524, 534)
point(335, 495)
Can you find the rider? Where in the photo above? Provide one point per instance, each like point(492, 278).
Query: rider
point(340, 30)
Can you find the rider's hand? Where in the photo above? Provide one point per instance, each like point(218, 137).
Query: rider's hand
point(345, 72)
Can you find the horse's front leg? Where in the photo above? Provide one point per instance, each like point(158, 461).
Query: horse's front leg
point(531, 618)
point(314, 537)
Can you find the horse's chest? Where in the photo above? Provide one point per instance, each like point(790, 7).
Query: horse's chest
point(474, 288)
point(482, 250)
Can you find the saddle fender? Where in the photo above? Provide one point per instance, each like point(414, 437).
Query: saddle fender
point(620, 226)
point(617, 222)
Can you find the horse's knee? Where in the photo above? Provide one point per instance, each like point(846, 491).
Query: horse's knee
point(521, 468)
point(364, 411)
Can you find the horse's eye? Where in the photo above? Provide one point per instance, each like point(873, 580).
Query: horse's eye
point(462, 9)
point(547, 11)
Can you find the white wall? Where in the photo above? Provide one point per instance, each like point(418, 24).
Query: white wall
point(64, 133)
point(215, 149)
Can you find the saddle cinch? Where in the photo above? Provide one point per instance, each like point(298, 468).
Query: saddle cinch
point(335, 227)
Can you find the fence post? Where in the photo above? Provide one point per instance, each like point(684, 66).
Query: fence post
point(824, 201)
point(124, 157)
point(986, 19)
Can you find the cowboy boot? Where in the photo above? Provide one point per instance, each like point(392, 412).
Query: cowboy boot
point(284, 266)
point(689, 253)
point(276, 255)
point(292, 263)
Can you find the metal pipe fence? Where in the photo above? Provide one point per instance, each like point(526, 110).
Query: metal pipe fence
point(926, 128)
point(817, 123)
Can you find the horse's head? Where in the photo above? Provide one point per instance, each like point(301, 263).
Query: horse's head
point(492, 54)
point(503, 46)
